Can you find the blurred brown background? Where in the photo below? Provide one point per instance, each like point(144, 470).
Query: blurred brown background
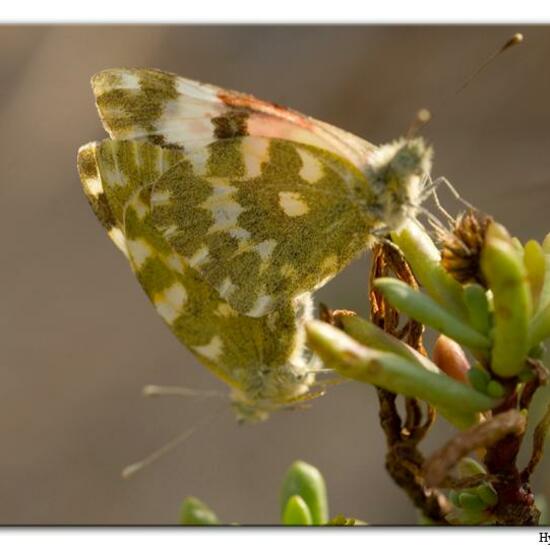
point(78, 338)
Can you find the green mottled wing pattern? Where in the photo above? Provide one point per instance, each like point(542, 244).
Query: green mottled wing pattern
point(263, 220)
point(261, 359)
point(111, 172)
point(166, 109)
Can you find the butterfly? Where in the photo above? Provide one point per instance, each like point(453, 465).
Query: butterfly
point(232, 211)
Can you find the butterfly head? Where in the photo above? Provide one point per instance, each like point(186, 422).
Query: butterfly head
point(398, 172)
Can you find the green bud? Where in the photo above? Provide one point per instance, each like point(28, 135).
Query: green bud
point(503, 268)
point(472, 517)
point(487, 494)
point(468, 501)
point(495, 389)
point(306, 481)
point(195, 512)
point(468, 467)
point(296, 512)
point(453, 497)
point(425, 310)
point(516, 243)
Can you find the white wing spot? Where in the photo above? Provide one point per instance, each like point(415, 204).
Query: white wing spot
point(117, 236)
point(226, 287)
point(199, 257)
point(199, 160)
point(292, 204)
point(128, 80)
point(223, 208)
point(175, 262)
point(255, 152)
point(141, 208)
point(239, 233)
point(225, 214)
point(261, 306)
point(170, 302)
point(161, 197)
point(212, 350)
point(140, 251)
point(93, 186)
point(265, 248)
point(170, 230)
point(225, 310)
point(312, 169)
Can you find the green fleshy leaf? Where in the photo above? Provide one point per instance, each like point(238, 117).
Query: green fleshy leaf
point(392, 372)
point(477, 304)
point(479, 378)
point(544, 299)
point(425, 260)
point(296, 512)
point(495, 389)
point(306, 481)
point(539, 327)
point(503, 268)
point(535, 265)
point(195, 512)
point(425, 310)
point(370, 335)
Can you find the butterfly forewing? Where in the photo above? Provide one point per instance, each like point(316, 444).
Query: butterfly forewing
point(167, 109)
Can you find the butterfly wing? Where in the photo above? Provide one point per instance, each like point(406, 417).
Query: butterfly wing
point(263, 220)
point(169, 110)
point(111, 171)
point(117, 177)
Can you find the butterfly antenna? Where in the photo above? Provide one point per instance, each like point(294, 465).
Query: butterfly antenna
point(132, 469)
point(423, 116)
point(152, 390)
point(513, 41)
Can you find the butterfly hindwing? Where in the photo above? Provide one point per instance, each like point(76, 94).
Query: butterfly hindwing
point(261, 359)
point(111, 171)
point(263, 220)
